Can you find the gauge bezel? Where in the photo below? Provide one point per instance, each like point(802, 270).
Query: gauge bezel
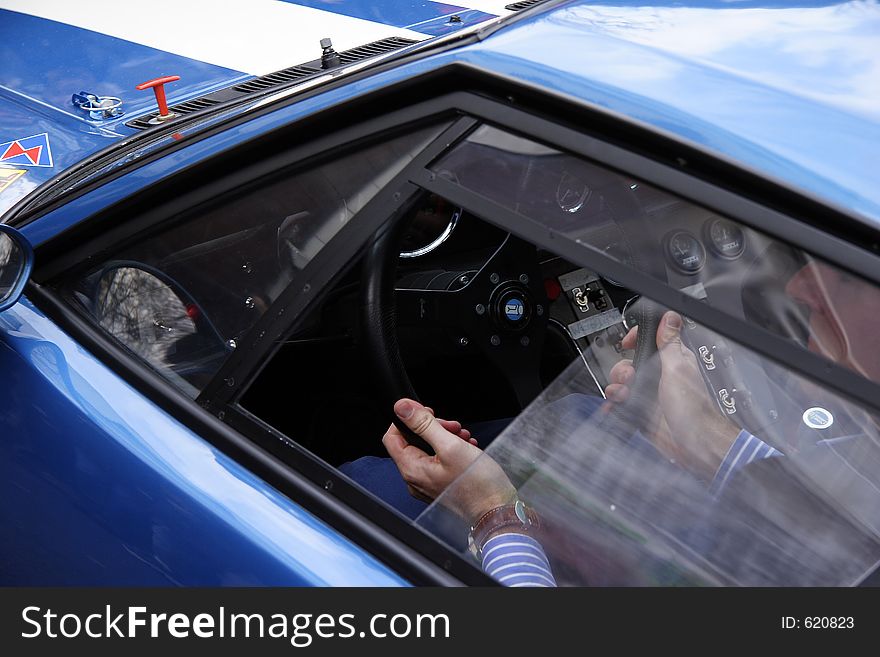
point(707, 236)
point(667, 249)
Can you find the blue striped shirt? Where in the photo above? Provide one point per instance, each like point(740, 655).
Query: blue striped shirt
point(745, 449)
point(517, 560)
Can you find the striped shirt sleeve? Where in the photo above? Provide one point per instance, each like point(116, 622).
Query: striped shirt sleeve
point(517, 560)
point(745, 449)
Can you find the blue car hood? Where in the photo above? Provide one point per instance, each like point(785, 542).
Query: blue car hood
point(53, 50)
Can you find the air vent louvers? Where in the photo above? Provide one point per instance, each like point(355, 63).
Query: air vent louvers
point(525, 4)
point(276, 79)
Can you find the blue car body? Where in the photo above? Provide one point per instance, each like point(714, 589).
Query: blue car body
point(100, 485)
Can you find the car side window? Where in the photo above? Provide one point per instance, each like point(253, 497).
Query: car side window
point(182, 296)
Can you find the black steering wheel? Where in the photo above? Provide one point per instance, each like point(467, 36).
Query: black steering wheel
point(500, 310)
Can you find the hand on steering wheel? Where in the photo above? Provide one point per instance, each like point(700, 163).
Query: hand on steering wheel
point(687, 426)
point(499, 311)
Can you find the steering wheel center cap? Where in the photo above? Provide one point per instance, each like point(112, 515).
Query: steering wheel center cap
point(512, 308)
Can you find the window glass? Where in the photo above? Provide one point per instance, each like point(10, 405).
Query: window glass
point(181, 298)
point(708, 463)
point(668, 489)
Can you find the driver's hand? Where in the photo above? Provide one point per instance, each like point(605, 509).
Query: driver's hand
point(689, 427)
point(485, 486)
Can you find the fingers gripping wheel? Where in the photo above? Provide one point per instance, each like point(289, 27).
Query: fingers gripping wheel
point(501, 309)
point(643, 392)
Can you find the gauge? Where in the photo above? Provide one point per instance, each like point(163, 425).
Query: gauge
point(726, 238)
point(685, 251)
point(431, 225)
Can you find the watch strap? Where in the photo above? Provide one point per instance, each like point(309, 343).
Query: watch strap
point(515, 514)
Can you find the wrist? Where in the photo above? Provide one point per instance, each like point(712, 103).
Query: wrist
point(721, 438)
point(513, 517)
point(485, 504)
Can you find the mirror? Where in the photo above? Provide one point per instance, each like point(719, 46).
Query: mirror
point(154, 317)
point(16, 261)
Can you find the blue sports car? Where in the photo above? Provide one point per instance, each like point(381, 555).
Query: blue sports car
point(634, 250)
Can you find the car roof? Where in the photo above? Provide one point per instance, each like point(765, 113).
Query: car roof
point(787, 90)
point(791, 91)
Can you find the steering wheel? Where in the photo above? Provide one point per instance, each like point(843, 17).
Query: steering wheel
point(499, 310)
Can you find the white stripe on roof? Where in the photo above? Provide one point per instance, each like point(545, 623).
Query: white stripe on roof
point(255, 37)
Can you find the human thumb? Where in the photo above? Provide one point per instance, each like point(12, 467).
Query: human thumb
point(669, 333)
point(423, 423)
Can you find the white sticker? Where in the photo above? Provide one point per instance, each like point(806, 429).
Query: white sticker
point(818, 418)
point(595, 323)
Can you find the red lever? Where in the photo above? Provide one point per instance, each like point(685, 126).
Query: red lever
point(157, 85)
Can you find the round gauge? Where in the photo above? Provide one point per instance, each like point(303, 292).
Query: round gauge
point(726, 238)
point(431, 225)
point(685, 251)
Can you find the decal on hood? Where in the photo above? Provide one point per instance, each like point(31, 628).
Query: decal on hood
point(30, 151)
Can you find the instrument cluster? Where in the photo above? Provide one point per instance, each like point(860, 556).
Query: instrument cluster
point(687, 252)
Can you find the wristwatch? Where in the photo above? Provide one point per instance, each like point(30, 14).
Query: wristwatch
point(515, 515)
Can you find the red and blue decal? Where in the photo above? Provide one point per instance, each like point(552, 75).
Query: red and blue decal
point(30, 151)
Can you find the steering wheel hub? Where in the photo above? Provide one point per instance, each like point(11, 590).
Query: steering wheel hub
point(511, 307)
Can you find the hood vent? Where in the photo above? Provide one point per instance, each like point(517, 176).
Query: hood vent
point(525, 4)
point(372, 49)
point(276, 79)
